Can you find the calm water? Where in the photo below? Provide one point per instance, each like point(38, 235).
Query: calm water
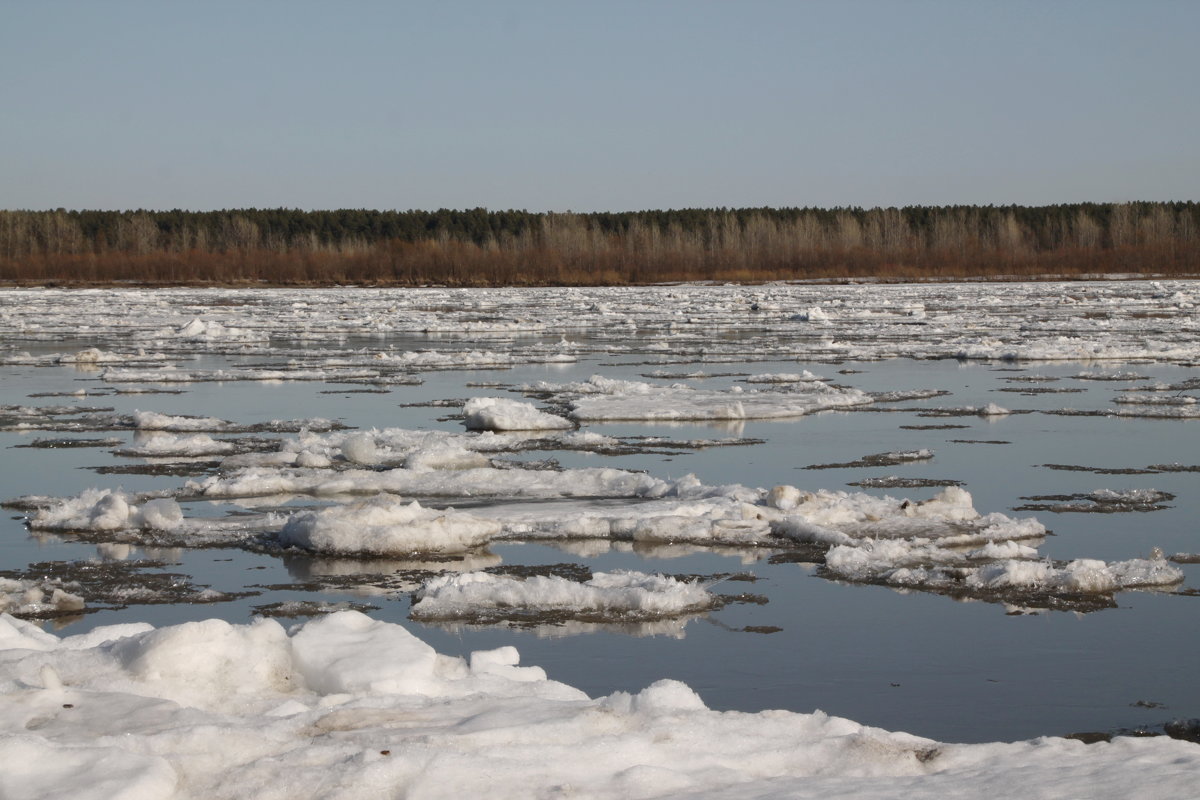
point(956, 671)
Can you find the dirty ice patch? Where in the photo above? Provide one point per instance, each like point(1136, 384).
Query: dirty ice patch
point(210, 709)
point(155, 421)
point(606, 596)
point(174, 375)
point(501, 414)
point(386, 526)
point(36, 598)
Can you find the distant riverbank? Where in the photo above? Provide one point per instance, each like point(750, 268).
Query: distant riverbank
point(478, 247)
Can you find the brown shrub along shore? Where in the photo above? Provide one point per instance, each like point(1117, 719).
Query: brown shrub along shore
point(487, 248)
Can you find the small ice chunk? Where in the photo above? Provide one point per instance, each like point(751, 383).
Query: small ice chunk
point(502, 414)
point(162, 514)
point(360, 449)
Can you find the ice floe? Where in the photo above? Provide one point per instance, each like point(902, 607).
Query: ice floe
point(600, 399)
point(502, 414)
point(386, 526)
point(606, 596)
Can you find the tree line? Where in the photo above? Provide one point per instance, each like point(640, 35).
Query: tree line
point(483, 247)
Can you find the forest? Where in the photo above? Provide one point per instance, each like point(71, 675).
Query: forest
point(480, 247)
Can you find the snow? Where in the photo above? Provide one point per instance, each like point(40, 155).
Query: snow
point(346, 706)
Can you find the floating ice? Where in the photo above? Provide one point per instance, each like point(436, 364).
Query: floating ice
point(475, 482)
point(36, 598)
point(159, 445)
point(606, 596)
point(386, 526)
point(154, 421)
point(602, 399)
point(783, 377)
point(107, 510)
point(201, 330)
point(500, 414)
point(1005, 572)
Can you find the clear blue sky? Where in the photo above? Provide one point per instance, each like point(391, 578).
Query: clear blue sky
point(596, 105)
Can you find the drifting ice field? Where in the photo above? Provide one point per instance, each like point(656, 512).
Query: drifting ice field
point(307, 533)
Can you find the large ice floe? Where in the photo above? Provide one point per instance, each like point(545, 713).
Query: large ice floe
point(345, 706)
point(601, 398)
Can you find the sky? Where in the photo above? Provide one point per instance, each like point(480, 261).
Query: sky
point(596, 106)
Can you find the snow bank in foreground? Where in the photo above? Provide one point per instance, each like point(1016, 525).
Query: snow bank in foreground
point(608, 595)
point(500, 414)
point(345, 707)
